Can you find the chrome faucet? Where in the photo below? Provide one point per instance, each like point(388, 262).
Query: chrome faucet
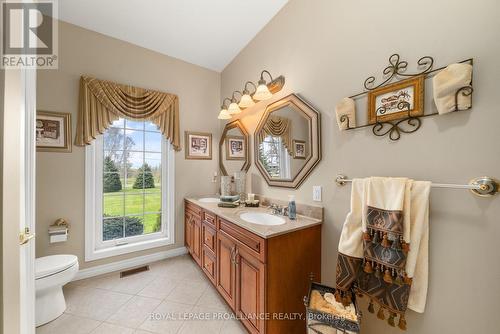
point(278, 210)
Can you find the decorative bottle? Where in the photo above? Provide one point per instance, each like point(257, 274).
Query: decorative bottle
point(292, 209)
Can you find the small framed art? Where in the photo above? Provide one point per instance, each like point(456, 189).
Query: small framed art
point(299, 149)
point(235, 148)
point(198, 145)
point(394, 101)
point(53, 132)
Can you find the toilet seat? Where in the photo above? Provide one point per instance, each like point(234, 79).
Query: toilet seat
point(50, 265)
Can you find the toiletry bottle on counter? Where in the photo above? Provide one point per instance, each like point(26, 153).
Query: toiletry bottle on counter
point(292, 210)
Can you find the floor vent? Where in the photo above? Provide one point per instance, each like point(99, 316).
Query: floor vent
point(133, 271)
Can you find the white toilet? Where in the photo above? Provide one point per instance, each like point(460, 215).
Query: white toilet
point(51, 273)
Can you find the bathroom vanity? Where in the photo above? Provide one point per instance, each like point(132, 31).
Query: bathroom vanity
point(261, 271)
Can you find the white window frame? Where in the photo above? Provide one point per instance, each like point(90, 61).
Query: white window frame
point(95, 248)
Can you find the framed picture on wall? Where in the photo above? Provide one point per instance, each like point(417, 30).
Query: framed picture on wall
point(198, 145)
point(235, 148)
point(299, 149)
point(394, 101)
point(53, 131)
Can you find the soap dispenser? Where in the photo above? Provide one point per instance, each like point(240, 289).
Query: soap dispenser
point(292, 209)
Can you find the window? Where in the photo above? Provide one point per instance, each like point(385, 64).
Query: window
point(129, 190)
point(275, 157)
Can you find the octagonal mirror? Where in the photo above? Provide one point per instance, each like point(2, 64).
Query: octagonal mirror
point(287, 142)
point(233, 150)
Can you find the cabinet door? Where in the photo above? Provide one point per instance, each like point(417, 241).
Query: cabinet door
point(226, 268)
point(197, 240)
point(188, 231)
point(250, 290)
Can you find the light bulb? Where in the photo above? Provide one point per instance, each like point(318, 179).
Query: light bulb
point(262, 92)
point(224, 114)
point(233, 108)
point(246, 101)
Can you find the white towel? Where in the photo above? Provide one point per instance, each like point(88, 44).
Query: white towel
point(445, 85)
point(346, 107)
point(411, 197)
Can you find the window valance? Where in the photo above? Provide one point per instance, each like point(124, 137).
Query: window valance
point(277, 126)
point(102, 102)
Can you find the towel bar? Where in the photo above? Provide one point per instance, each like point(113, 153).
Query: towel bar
point(483, 186)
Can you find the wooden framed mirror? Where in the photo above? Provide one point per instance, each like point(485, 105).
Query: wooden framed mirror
point(288, 142)
point(234, 155)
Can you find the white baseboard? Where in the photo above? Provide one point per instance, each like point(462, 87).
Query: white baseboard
point(128, 263)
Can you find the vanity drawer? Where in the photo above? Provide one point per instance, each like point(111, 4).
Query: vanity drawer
point(208, 236)
point(209, 218)
point(208, 264)
point(194, 209)
point(255, 244)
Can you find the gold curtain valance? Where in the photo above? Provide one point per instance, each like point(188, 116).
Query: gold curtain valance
point(277, 126)
point(102, 102)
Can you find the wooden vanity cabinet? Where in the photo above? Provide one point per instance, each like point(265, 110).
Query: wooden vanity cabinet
point(250, 290)
point(262, 280)
point(226, 268)
point(193, 231)
point(208, 247)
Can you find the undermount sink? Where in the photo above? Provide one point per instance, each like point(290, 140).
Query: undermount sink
point(209, 200)
point(262, 218)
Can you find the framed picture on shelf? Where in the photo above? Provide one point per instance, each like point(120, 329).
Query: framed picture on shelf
point(299, 149)
point(394, 101)
point(235, 148)
point(198, 145)
point(53, 132)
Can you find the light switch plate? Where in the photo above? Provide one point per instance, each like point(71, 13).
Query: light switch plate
point(317, 193)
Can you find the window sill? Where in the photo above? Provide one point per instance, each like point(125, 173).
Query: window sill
point(96, 254)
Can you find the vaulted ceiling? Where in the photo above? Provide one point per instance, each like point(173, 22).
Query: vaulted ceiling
point(209, 33)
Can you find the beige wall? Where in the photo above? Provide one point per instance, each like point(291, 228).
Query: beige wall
point(60, 176)
point(326, 49)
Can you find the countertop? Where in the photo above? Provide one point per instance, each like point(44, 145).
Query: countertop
point(264, 231)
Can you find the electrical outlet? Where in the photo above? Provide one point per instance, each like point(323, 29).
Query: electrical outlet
point(317, 193)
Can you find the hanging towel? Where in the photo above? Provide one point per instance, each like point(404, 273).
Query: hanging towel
point(383, 248)
point(446, 84)
point(346, 107)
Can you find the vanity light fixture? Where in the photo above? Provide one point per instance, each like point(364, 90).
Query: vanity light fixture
point(233, 107)
point(224, 114)
point(247, 100)
point(261, 91)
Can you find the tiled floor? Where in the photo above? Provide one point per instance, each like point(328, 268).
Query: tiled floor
point(170, 298)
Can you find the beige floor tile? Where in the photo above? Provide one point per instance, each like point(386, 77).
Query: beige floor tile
point(233, 327)
point(105, 328)
point(129, 284)
point(167, 318)
point(134, 283)
point(140, 331)
point(67, 323)
point(177, 270)
point(93, 303)
point(205, 320)
point(106, 282)
point(160, 287)
point(211, 298)
point(134, 312)
point(187, 292)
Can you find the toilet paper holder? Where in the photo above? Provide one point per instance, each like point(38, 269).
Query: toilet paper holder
point(58, 231)
point(60, 222)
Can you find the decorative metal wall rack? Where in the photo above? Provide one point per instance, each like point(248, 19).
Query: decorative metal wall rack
point(410, 123)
